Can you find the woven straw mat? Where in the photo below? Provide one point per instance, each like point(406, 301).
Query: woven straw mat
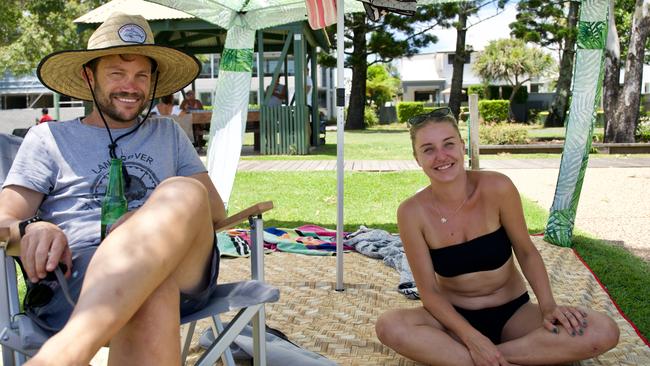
point(340, 325)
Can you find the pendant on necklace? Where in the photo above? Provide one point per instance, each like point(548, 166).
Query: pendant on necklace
point(443, 220)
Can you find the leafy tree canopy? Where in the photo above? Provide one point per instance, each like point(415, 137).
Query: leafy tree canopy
point(31, 29)
point(381, 86)
point(512, 61)
point(542, 22)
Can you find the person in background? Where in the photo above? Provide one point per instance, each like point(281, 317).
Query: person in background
point(45, 117)
point(459, 235)
point(166, 107)
point(309, 86)
point(190, 103)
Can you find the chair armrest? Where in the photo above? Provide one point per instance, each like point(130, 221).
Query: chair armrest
point(10, 240)
point(241, 216)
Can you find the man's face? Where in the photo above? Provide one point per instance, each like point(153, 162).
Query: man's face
point(190, 95)
point(121, 84)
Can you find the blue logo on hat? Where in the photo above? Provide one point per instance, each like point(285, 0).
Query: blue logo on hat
point(132, 33)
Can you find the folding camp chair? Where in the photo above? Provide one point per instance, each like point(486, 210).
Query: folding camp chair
point(20, 337)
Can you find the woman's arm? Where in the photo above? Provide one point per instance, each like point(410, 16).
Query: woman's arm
point(532, 265)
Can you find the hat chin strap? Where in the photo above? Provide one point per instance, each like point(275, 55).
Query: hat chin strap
point(113, 145)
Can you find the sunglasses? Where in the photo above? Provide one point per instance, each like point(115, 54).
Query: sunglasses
point(436, 113)
point(42, 292)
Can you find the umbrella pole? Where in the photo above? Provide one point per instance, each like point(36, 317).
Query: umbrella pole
point(340, 125)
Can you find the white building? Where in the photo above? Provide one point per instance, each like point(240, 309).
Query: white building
point(427, 77)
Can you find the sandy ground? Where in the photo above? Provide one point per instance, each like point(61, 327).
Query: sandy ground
point(614, 204)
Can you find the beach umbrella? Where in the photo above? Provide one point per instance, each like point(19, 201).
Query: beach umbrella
point(241, 18)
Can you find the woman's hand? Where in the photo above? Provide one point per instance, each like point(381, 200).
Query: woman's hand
point(484, 352)
point(573, 319)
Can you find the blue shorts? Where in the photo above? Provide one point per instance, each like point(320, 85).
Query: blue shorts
point(57, 312)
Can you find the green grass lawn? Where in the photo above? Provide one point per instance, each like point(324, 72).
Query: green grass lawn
point(371, 199)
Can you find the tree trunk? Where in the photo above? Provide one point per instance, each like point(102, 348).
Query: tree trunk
point(456, 92)
point(560, 104)
point(359, 74)
point(511, 99)
point(611, 84)
point(630, 96)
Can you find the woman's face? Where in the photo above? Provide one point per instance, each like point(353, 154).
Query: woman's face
point(439, 151)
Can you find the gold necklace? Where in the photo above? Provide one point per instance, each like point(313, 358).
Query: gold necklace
point(443, 220)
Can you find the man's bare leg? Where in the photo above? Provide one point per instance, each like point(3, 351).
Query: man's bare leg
point(165, 244)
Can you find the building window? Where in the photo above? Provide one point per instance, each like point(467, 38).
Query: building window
point(450, 58)
point(534, 88)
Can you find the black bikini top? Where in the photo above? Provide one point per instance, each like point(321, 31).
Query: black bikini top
point(484, 253)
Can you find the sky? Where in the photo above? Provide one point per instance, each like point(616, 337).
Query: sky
point(479, 35)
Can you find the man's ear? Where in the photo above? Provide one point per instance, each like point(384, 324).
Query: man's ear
point(90, 78)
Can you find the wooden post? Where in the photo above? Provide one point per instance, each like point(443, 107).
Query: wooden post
point(473, 132)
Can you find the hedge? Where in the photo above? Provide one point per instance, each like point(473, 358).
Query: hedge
point(406, 110)
point(494, 110)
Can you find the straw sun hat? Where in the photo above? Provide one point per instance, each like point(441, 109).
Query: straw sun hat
point(119, 34)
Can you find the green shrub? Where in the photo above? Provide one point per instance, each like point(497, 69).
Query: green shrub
point(477, 89)
point(406, 110)
point(370, 117)
point(643, 129)
point(600, 118)
point(503, 134)
point(541, 117)
point(493, 110)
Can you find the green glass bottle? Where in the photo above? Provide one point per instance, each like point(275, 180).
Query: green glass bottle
point(114, 204)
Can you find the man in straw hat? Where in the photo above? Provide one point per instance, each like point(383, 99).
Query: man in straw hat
point(160, 254)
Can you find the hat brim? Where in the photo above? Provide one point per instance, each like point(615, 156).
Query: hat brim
point(61, 71)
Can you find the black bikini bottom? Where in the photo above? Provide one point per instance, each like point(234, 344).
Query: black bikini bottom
point(490, 321)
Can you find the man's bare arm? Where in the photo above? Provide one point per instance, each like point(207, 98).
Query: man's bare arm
point(44, 244)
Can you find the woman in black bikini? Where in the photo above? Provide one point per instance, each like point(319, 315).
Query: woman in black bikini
point(459, 234)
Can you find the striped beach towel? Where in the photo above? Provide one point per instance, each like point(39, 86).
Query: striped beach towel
point(321, 13)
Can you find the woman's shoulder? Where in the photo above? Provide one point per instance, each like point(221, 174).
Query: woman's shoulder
point(492, 183)
point(413, 204)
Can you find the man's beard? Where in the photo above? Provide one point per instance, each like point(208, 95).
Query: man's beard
point(108, 108)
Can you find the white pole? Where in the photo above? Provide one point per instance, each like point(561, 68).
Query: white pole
point(473, 132)
point(340, 125)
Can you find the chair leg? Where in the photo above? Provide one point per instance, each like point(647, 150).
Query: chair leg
point(225, 338)
point(259, 338)
point(217, 328)
point(187, 331)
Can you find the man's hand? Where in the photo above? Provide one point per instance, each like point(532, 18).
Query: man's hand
point(42, 248)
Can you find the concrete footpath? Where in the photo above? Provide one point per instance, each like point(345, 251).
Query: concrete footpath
point(614, 203)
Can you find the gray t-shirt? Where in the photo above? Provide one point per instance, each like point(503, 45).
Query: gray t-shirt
point(68, 162)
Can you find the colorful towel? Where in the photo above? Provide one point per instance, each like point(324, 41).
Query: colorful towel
point(307, 239)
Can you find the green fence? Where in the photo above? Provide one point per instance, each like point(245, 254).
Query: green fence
point(283, 130)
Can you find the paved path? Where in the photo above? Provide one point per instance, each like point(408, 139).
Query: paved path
point(614, 204)
point(397, 165)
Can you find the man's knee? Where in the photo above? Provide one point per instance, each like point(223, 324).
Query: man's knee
point(182, 190)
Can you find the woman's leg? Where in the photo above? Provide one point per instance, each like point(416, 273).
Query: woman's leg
point(527, 342)
point(416, 334)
